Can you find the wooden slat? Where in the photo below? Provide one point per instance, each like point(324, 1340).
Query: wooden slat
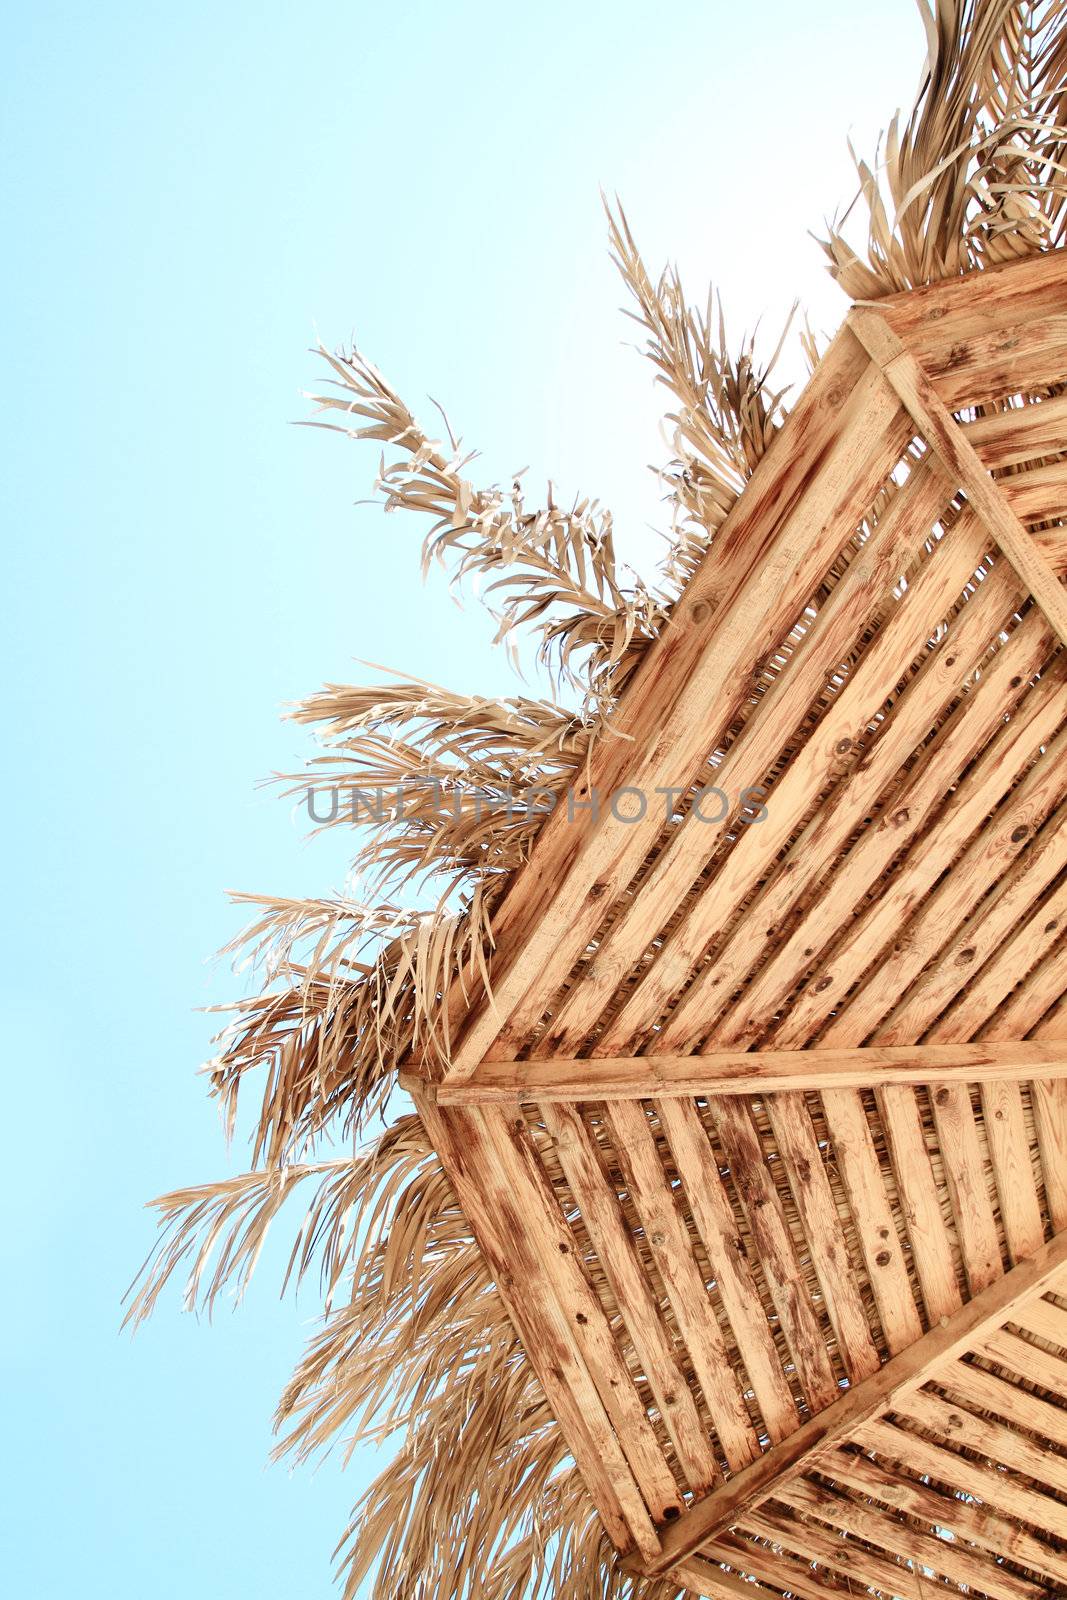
point(772, 1566)
point(1009, 1150)
point(995, 1488)
point(844, 1559)
point(1050, 1115)
point(618, 1257)
point(1038, 494)
point(734, 611)
point(550, 1347)
point(1049, 1100)
point(1048, 1321)
point(864, 1521)
point(716, 1224)
point(861, 1173)
point(938, 317)
point(944, 434)
point(971, 1385)
point(728, 1505)
point(526, 1201)
point(704, 1577)
point(1023, 433)
point(1041, 992)
point(1027, 1360)
point(980, 1524)
point(798, 1149)
point(1026, 948)
point(964, 1168)
point(919, 1201)
point(776, 1251)
point(669, 1243)
point(980, 938)
point(977, 729)
point(986, 326)
point(1013, 358)
point(740, 1072)
point(999, 1444)
point(931, 917)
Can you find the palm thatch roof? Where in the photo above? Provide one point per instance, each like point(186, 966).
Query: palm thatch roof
point(726, 1236)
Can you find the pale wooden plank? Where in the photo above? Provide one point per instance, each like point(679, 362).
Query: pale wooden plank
point(983, 1525)
point(798, 1148)
point(729, 1505)
point(1050, 1114)
point(547, 1339)
point(931, 916)
point(529, 1203)
point(776, 1251)
point(740, 1072)
point(1018, 955)
point(995, 1488)
point(1009, 1149)
point(1022, 433)
point(1039, 493)
point(1027, 1360)
point(944, 435)
point(704, 1577)
point(934, 1006)
point(716, 1224)
point(1048, 1321)
point(907, 1543)
point(668, 1241)
point(936, 317)
point(861, 1174)
point(920, 1202)
point(1014, 358)
point(1037, 1004)
point(618, 1256)
point(964, 1167)
point(969, 1385)
point(1048, 1097)
point(996, 1442)
point(786, 1572)
point(735, 610)
point(975, 733)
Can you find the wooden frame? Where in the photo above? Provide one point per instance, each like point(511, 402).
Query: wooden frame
point(762, 1130)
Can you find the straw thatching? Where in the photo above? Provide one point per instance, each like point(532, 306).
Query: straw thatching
point(673, 1325)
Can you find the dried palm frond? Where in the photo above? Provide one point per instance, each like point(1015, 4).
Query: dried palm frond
point(330, 1035)
point(446, 785)
point(978, 173)
point(727, 413)
point(551, 569)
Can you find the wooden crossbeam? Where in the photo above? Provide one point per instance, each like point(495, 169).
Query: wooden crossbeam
point(949, 440)
point(738, 1072)
point(980, 1318)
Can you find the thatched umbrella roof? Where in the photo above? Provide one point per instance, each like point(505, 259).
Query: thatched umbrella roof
point(729, 1225)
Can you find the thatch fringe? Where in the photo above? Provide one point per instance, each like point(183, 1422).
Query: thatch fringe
point(481, 1496)
point(977, 173)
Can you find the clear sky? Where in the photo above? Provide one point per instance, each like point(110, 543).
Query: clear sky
point(191, 195)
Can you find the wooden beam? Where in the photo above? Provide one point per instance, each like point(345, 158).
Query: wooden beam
point(945, 436)
point(737, 1072)
point(977, 1320)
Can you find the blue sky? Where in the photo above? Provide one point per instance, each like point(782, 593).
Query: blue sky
point(191, 197)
